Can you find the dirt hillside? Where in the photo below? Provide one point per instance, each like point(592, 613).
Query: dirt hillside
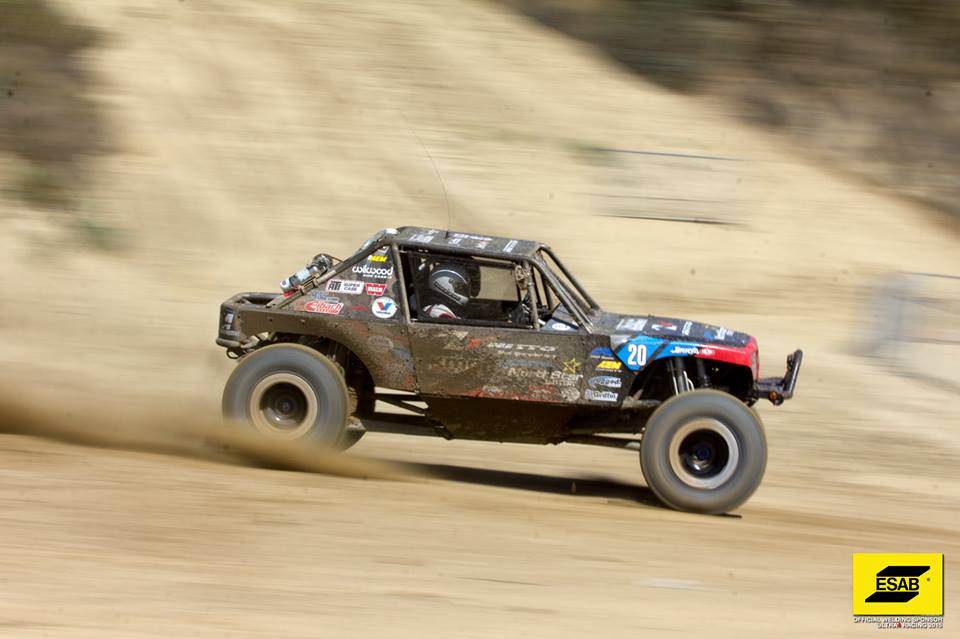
point(247, 136)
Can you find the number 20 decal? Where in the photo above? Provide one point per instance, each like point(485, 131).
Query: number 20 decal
point(636, 355)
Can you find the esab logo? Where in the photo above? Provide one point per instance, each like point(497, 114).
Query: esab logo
point(897, 584)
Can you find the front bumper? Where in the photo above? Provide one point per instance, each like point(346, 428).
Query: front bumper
point(777, 389)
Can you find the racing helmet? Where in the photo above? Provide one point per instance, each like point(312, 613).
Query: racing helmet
point(454, 282)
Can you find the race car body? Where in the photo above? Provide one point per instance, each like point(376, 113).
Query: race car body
point(476, 337)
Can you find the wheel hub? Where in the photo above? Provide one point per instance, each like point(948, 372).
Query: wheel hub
point(283, 405)
point(704, 453)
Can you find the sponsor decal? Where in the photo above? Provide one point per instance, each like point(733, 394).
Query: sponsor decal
point(452, 365)
point(376, 257)
point(227, 327)
point(524, 363)
point(375, 272)
point(455, 241)
point(706, 351)
point(634, 324)
point(384, 307)
point(350, 287)
point(599, 395)
point(374, 288)
point(718, 333)
point(509, 246)
point(903, 585)
point(601, 352)
point(320, 306)
point(380, 343)
point(686, 328)
point(571, 365)
point(680, 349)
point(605, 381)
point(454, 340)
point(558, 326)
point(665, 326)
point(482, 244)
point(609, 365)
point(467, 236)
point(317, 294)
point(477, 342)
point(636, 355)
point(556, 378)
point(426, 238)
point(524, 348)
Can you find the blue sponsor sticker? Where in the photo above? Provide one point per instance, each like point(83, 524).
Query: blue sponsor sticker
point(605, 381)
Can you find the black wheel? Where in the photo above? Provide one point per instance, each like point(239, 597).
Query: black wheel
point(289, 392)
point(703, 451)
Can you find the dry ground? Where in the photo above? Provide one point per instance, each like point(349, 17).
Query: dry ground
point(249, 136)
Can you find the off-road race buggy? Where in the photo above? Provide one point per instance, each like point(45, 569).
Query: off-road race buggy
point(424, 331)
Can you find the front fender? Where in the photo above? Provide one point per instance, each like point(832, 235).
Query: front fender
point(638, 352)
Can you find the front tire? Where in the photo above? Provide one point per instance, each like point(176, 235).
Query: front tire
point(703, 451)
point(289, 392)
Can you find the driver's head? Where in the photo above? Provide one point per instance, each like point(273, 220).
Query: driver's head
point(455, 283)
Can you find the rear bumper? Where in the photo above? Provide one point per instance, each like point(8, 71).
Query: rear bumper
point(778, 389)
point(230, 333)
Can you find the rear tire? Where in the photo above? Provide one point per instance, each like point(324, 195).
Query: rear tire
point(703, 451)
point(289, 392)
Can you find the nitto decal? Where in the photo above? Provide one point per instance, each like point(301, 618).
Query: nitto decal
point(384, 307)
point(605, 381)
point(377, 273)
point(375, 289)
point(317, 306)
point(350, 287)
point(599, 396)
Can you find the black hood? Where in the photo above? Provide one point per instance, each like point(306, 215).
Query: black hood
point(669, 328)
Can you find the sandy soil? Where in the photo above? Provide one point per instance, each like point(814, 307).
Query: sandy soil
point(249, 136)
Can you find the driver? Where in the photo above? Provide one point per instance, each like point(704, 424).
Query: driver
point(451, 285)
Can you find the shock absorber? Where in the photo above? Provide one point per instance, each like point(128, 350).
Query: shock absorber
point(678, 375)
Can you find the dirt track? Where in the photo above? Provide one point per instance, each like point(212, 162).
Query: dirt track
point(243, 123)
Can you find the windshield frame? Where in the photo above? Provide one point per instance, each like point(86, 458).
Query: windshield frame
point(578, 300)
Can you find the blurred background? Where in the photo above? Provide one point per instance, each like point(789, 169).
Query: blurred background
point(785, 167)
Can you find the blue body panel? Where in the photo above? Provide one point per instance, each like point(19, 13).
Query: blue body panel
point(640, 350)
